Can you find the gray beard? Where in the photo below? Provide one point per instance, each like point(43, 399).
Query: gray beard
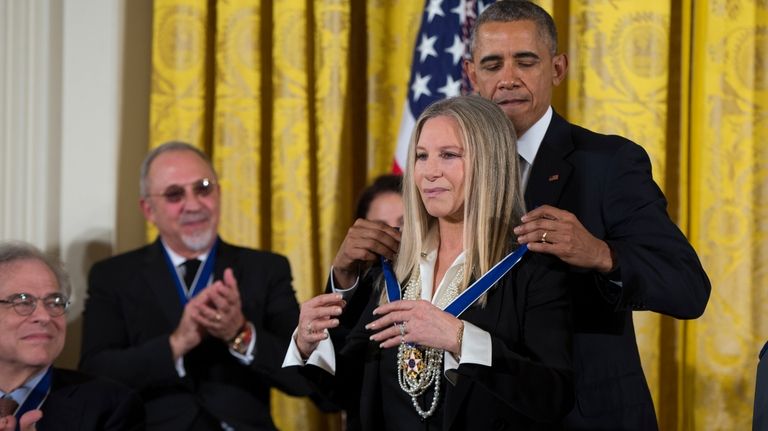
point(200, 241)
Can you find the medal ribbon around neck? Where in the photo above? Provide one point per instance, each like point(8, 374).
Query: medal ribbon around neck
point(417, 368)
point(201, 281)
point(471, 293)
point(36, 396)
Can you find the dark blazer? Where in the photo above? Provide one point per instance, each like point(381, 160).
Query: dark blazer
point(606, 182)
point(529, 386)
point(133, 307)
point(78, 402)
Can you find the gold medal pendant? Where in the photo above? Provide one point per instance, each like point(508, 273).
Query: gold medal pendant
point(419, 369)
point(412, 362)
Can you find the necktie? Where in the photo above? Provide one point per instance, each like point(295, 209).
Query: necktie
point(7, 406)
point(525, 170)
point(190, 270)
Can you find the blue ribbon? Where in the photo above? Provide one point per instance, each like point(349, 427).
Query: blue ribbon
point(393, 294)
point(202, 279)
point(36, 396)
point(471, 293)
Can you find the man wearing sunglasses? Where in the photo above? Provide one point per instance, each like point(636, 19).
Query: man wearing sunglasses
point(198, 326)
point(34, 297)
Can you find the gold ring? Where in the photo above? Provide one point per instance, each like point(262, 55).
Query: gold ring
point(402, 329)
point(217, 317)
point(309, 328)
point(544, 236)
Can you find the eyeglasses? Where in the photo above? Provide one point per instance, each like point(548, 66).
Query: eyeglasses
point(176, 192)
point(24, 304)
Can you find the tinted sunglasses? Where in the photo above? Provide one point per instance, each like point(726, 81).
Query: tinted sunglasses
point(176, 192)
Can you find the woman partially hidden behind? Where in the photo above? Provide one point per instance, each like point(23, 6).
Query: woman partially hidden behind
point(505, 361)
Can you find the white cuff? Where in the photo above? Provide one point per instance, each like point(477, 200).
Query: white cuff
point(180, 370)
point(476, 348)
point(345, 293)
point(323, 356)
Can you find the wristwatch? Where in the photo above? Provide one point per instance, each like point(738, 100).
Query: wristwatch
point(242, 340)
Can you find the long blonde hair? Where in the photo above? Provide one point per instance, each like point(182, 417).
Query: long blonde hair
point(493, 202)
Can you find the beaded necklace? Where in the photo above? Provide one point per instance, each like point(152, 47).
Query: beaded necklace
point(418, 367)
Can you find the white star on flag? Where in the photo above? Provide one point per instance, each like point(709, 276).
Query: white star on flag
point(419, 86)
point(457, 49)
point(461, 11)
point(427, 47)
point(451, 88)
point(434, 8)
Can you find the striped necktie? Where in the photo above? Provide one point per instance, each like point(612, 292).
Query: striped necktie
point(525, 171)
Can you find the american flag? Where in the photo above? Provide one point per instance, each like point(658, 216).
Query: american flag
point(436, 69)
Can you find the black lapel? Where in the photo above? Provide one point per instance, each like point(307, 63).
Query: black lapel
point(550, 171)
point(160, 281)
point(61, 407)
point(225, 258)
point(485, 318)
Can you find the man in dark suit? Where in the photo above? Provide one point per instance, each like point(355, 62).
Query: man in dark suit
point(34, 297)
point(197, 326)
point(594, 205)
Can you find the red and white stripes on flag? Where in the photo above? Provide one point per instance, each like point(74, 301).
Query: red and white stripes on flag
point(436, 69)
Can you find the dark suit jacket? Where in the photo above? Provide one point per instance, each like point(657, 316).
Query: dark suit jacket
point(529, 386)
point(133, 307)
point(606, 182)
point(78, 402)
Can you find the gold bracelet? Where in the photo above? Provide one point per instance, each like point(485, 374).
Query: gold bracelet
point(460, 338)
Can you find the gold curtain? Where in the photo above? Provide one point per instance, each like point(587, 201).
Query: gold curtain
point(299, 104)
point(728, 207)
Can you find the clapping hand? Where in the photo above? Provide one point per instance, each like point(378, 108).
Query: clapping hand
point(219, 310)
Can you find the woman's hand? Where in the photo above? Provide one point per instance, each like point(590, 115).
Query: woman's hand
point(317, 315)
point(421, 322)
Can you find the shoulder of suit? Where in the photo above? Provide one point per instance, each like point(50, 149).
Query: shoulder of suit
point(63, 378)
point(67, 377)
point(586, 140)
point(584, 135)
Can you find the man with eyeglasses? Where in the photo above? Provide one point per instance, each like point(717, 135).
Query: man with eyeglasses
point(198, 326)
point(34, 297)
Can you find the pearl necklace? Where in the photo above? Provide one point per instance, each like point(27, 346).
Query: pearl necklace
point(419, 368)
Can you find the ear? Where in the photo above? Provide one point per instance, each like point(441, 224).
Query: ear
point(147, 210)
point(471, 72)
point(559, 68)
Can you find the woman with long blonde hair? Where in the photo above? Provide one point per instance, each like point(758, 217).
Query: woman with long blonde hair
point(466, 330)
